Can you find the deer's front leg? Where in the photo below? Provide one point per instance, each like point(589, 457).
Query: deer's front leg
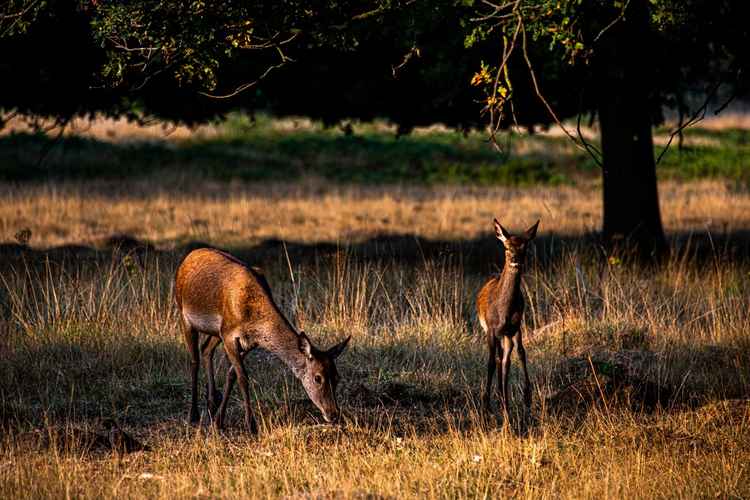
point(213, 396)
point(492, 346)
point(505, 371)
point(232, 348)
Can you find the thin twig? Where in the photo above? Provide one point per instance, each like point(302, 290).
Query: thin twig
point(413, 51)
point(507, 51)
point(589, 147)
point(546, 104)
point(16, 17)
point(248, 85)
point(62, 123)
point(614, 21)
point(699, 115)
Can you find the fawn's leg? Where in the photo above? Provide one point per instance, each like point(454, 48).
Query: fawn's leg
point(233, 353)
point(213, 397)
point(505, 371)
point(518, 341)
point(492, 345)
point(191, 340)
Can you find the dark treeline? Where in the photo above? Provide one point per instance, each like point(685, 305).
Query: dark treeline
point(410, 66)
point(463, 63)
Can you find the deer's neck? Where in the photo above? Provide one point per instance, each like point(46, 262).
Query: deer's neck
point(510, 280)
point(283, 342)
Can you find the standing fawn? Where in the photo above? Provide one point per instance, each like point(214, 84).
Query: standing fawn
point(222, 298)
point(500, 307)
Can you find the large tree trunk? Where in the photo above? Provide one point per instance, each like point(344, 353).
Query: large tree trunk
point(631, 201)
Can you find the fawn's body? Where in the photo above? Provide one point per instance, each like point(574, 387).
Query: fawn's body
point(500, 307)
point(224, 299)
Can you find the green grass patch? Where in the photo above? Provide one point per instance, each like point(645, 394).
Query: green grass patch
point(262, 150)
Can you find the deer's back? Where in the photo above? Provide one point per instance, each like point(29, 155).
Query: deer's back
point(213, 288)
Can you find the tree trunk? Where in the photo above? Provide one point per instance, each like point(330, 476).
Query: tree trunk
point(631, 201)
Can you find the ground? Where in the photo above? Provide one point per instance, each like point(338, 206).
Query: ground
point(640, 373)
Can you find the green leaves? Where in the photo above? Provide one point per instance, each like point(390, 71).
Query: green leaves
point(16, 16)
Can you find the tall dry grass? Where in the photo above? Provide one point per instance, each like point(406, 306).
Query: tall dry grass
point(85, 339)
point(171, 211)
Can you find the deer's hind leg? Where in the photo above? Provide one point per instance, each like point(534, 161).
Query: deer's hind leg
point(191, 340)
point(213, 396)
point(518, 341)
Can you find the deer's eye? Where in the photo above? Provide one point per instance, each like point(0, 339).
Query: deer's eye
point(318, 379)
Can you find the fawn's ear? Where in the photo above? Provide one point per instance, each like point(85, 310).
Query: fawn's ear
point(305, 346)
point(335, 351)
point(501, 233)
point(531, 232)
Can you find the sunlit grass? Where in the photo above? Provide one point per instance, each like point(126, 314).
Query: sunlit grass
point(90, 340)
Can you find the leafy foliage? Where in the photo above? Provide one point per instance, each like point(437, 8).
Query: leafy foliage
point(694, 47)
point(413, 63)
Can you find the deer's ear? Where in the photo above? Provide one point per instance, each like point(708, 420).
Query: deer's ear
point(335, 351)
point(305, 346)
point(531, 232)
point(501, 233)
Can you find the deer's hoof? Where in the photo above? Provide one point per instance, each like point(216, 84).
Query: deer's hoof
point(252, 428)
point(214, 405)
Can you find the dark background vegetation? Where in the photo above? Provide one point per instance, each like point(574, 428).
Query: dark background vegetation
point(620, 63)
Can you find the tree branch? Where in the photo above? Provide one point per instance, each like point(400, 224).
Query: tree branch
point(547, 105)
point(699, 115)
point(248, 85)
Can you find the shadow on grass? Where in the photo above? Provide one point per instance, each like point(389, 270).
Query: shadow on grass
point(144, 382)
point(62, 386)
point(56, 384)
point(479, 255)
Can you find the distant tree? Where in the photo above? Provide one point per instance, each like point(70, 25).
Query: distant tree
point(635, 56)
point(409, 66)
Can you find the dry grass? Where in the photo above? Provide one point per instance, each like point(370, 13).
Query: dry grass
point(114, 130)
point(239, 214)
point(86, 336)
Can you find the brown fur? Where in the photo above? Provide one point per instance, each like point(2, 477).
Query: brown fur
point(500, 307)
point(227, 301)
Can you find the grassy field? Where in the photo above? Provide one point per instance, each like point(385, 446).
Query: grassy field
point(89, 333)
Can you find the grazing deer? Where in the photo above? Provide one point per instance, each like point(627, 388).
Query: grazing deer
point(500, 307)
point(221, 297)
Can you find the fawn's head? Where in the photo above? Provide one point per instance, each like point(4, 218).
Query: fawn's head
point(515, 245)
point(319, 377)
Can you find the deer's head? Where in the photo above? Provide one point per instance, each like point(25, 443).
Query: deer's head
point(515, 245)
point(319, 377)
